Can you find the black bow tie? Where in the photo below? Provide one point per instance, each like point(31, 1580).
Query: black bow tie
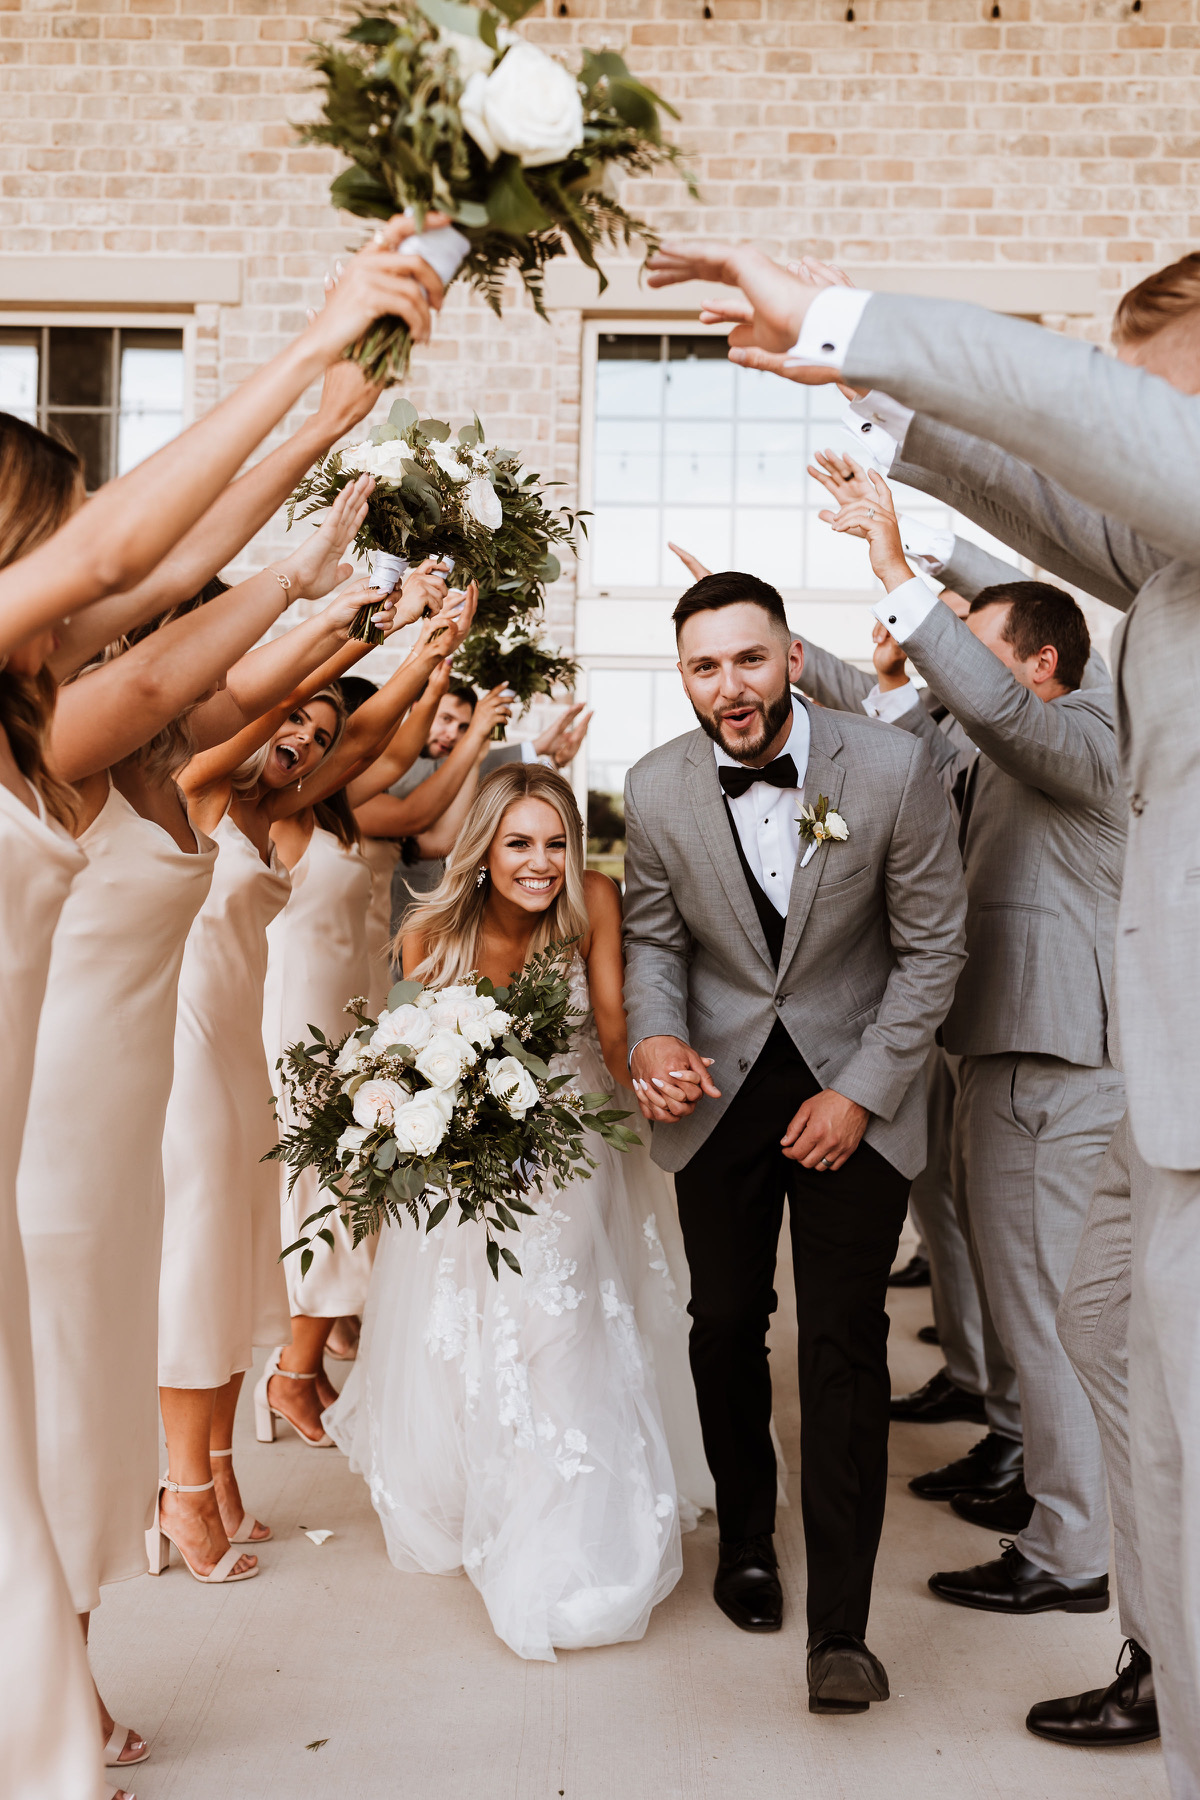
point(781, 774)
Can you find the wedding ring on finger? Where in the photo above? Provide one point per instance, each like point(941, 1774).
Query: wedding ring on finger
point(824, 1163)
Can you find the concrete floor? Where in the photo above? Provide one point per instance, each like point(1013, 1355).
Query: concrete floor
point(332, 1675)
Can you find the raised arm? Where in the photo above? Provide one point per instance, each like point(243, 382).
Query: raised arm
point(606, 973)
point(235, 517)
point(427, 802)
point(118, 536)
point(829, 680)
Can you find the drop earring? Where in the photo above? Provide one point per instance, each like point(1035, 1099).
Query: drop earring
point(482, 875)
point(299, 784)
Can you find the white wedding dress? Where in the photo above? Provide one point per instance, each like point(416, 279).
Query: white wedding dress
point(539, 1431)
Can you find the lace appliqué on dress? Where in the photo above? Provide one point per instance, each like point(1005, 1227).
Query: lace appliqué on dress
point(452, 1330)
point(659, 1263)
point(545, 1272)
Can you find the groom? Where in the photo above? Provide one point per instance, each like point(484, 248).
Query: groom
point(811, 975)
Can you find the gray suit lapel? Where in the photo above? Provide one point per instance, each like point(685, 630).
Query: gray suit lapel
point(824, 775)
point(708, 805)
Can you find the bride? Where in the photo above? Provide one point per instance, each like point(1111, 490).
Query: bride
point(539, 1432)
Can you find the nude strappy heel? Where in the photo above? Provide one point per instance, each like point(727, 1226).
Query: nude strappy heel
point(245, 1531)
point(118, 1739)
point(159, 1543)
point(265, 1414)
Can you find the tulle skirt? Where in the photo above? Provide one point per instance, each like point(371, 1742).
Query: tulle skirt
point(539, 1431)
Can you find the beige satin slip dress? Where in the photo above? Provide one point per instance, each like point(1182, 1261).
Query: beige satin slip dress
point(90, 1187)
point(49, 1730)
point(222, 1290)
point(318, 960)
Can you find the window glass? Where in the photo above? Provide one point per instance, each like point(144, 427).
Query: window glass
point(115, 394)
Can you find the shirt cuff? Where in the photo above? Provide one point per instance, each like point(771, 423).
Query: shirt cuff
point(528, 753)
point(880, 425)
point(926, 545)
point(905, 607)
point(890, 706)
point(829, 324)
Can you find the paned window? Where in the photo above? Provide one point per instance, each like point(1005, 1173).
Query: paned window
point(635, 710)
point(115, 392)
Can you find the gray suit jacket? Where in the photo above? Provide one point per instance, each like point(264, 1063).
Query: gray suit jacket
point(1043, 841)
point(873, 943)
point(1121, 447)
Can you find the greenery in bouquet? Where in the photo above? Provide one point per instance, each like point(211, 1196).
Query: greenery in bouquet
point(441, 107)
point(517, 659)
point(459, 498)
point(446, 1099)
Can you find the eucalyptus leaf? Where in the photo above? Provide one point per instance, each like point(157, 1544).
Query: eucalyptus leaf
point(437, 429)
point(551, 568)
point(403, 994)
point(512, 206)
point(448, 16)
point(470, 212)
point(358, 192)
point(514, 9)
point(403, 414)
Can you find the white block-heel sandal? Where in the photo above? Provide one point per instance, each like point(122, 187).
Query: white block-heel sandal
point(159, 1543)
point(265, 1414)
point(245, 1531)
point(118, 1739)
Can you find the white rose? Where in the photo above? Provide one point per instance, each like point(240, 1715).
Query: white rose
point(388, 458)
point(471, 108)
point(445, 1099)
point(358, 458)
point(407, 1025)
point(458, 1008)
point(376, 1102)
point(529, 107)
point(837, 827)
point(446, 458)
point(499, 1024)
point(349, 1056)
point(351, 1141)
point(419, 1127)
point(482, 503)
point(444, 1058)
point(425, 999)
point(474, 56)
point(511, 1084)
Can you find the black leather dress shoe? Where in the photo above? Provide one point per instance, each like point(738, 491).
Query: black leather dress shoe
point(938, 1402)
point(928, 1334)
point(747, 1586)
point(843, 1675)
point(915, 1273)
point(1008, 1511)
point(989, 1467)
point(1013, 1584)
point(1125, 1712)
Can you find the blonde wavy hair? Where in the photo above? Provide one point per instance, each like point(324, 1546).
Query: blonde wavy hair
point(448, 924)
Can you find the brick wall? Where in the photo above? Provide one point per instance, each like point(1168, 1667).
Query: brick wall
point(922, 132)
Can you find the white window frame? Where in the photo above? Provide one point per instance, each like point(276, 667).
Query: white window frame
point(586, 588)
point(35, 318)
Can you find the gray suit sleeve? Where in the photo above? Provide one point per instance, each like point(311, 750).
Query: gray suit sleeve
point(949, 752)
point(827, 678)
point(969, 569)
point(927, 907)
point(1035, 515)
point(658, 944)
point(1124, 441)
point(1066, 748)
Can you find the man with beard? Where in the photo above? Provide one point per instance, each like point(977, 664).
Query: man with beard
point(793, 931)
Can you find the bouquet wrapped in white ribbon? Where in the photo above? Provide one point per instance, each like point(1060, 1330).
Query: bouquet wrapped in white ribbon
point(441, 107)
point(446, 1099)
point(464, 500)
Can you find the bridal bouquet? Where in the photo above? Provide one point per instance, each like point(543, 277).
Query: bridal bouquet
point(465, 500)
point(441, 107)
point(516, 658)
point(446, 1098)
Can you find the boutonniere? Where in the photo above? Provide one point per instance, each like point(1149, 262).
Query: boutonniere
point(818, 824)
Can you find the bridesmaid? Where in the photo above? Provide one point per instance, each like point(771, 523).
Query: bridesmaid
point(90, 1186)
point(49, 1748)
point(222, 1290)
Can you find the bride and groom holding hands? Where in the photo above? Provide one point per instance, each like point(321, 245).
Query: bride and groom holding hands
point(792, 935)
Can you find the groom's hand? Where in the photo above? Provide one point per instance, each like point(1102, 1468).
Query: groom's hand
point(825, 1132)
point(669, 1077)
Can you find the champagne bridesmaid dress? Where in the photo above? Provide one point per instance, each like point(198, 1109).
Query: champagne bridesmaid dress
point(90, 1187)
point(49, 1729)
point(222, 1289)
point(318, 961)
point(382, 854)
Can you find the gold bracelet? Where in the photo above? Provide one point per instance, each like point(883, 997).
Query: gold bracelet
point(284, 581)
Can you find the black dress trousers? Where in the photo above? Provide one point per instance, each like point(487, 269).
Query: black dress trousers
point(845, 1229)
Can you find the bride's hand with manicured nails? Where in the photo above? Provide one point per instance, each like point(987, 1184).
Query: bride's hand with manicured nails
point(669, 1078)
point(825, 1132)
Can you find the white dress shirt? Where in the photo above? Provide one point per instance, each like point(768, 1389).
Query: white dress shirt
point(829, 324)
point(765, 817)
point(890, 705)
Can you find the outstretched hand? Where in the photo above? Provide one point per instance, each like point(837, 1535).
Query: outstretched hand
point(669, 1078)
point(874, 518)
point(316, 567)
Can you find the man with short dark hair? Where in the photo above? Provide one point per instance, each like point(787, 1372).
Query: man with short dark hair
point(1043, 839)
point(794, 907)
